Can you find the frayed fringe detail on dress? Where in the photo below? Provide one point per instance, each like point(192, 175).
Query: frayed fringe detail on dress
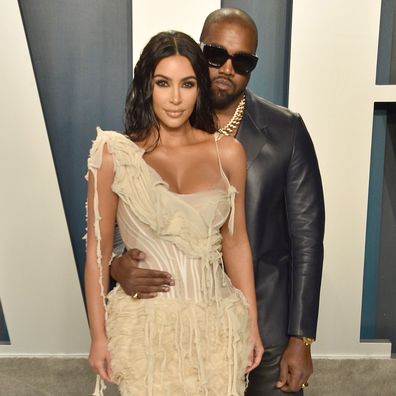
point(100, 387)
point(170, 347)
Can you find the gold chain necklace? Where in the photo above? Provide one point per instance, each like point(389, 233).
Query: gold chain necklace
point(233, 125)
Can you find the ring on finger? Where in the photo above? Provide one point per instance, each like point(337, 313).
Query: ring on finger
point(304, 385)
point(135, 296)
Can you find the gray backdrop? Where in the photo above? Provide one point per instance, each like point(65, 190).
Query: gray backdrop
point(81, 54)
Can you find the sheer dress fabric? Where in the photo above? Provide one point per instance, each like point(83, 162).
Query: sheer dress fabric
point(195, 339)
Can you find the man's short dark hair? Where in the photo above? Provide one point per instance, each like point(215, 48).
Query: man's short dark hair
point(229, 15)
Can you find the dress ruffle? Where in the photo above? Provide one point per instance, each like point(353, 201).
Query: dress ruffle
point(177, 348)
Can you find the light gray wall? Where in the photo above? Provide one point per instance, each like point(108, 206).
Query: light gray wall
point(81, 54)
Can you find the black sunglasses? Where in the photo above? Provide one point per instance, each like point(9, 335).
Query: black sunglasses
point(242, 62)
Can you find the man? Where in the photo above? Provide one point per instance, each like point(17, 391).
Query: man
point(284, 208)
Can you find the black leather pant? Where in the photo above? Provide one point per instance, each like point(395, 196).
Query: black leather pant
point(262, 379)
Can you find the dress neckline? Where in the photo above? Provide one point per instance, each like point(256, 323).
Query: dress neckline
point(163, 182)
point(166, 184)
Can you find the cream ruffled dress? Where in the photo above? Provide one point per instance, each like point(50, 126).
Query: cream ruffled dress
point(195, 339)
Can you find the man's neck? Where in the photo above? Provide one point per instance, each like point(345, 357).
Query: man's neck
point(224, 115)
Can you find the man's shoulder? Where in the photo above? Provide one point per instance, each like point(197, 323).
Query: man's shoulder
point(264, 112)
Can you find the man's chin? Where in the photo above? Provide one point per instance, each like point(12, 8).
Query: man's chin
point(221, 100)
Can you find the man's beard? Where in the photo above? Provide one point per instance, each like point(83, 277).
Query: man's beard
point(221, 99)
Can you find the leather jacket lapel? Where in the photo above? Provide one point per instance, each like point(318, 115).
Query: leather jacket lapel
point(252, 137)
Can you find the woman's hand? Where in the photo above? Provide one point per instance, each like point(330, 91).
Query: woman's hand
point(257, 350)
point(99, 359)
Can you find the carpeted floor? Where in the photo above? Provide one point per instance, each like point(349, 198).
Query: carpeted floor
point(72, 377)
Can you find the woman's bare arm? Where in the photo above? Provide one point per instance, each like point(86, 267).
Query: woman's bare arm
point(107, 206)
point(236, 248)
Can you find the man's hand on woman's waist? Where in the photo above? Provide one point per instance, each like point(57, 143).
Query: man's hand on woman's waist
point(139, 282)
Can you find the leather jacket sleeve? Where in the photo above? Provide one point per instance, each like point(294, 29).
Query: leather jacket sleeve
point(118, 244)
point(305, 213)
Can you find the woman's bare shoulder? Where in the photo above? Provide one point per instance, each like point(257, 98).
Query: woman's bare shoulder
point(230, 149)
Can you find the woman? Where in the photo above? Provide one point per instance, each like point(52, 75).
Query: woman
point(170, 182)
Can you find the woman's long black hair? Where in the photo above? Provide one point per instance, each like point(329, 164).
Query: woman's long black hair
point(139, 118)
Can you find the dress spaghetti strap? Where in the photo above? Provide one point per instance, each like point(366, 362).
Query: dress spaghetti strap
point(217, 137)
point(231, 189)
